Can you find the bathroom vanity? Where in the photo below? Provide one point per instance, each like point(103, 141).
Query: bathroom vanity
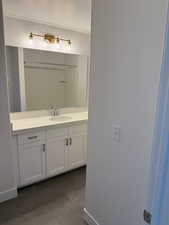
point(43, 148)
point(48, 98)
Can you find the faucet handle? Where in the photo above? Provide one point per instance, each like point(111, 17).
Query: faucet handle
point(56, 110)
point(52, 111)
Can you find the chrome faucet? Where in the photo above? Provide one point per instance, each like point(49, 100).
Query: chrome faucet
point(53, 111)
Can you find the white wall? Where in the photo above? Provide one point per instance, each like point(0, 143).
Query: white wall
point(7, 183)
point(127, 44)
point(31, 55)
point(13, 79)
point(74, 14)
point(17, 33)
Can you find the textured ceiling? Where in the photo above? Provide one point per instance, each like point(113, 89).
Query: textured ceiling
point(68, 14)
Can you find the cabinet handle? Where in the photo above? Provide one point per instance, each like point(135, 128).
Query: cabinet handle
point(70, 141)
point(44, 147)
point(33, 137)
point(67, 141)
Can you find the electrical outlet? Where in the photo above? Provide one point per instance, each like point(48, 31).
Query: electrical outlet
point(116, 133)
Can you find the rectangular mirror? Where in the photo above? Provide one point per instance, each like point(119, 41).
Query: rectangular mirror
point(38, 80)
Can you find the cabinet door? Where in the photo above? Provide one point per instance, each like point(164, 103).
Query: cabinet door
point(77, 151)
point(32, 163)
point(55, 156)
point(77, 146)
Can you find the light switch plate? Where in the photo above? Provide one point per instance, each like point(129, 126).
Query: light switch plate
point(116, 133)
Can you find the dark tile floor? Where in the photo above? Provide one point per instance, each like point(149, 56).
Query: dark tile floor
point(58, 201)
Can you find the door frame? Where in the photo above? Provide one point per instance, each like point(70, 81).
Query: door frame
point(8, 186)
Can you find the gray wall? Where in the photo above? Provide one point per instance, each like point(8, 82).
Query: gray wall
point(127, 45)
point(13, 78)
point(7, 183)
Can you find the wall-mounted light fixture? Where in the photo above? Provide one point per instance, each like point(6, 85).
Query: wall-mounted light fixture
point(50, 38)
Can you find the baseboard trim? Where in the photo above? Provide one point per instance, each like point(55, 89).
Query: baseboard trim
point(7, 195)
point(89, 218)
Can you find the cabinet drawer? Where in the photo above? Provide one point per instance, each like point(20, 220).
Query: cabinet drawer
point(31, 137)
point(56, 132)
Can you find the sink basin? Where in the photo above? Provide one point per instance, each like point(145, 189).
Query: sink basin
point(60, 118)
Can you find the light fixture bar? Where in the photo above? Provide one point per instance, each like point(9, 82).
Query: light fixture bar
point(50, 38)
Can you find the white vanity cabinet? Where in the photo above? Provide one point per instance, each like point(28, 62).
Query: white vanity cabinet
point(50, 152)
point(31, 156)
point(55, 151)
point(77, 146)
point(66, 148)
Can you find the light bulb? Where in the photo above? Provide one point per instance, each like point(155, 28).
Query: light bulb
point(69, 45)
point(31, 38)
point(31, 41)
point(57, 43)
point(44, 44)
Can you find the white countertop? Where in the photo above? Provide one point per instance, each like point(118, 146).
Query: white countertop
point(45, 121)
